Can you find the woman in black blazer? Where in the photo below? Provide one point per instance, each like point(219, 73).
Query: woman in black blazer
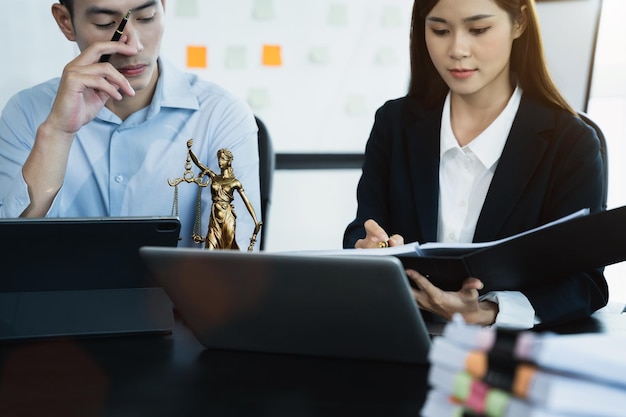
point(482, 147)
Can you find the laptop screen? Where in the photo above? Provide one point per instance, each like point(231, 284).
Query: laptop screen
point(337, 306)
point(56, 254)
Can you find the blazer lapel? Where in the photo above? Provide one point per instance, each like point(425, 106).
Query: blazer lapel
point(422, 155)
point(520, 157)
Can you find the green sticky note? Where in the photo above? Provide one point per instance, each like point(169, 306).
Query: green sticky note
point(338, 14)
point(258, 98)
point(235, 57)
point(263, 10)
point(186, 8)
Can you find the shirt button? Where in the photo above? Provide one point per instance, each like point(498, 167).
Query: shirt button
point(451, 236)
point(119, 178)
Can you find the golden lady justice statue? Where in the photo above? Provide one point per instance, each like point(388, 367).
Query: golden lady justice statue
point(221, 232)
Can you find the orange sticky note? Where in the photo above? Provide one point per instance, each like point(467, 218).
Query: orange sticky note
point(196, 56)
point(272, 56)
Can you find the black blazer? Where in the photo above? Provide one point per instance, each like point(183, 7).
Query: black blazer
point(550, 167)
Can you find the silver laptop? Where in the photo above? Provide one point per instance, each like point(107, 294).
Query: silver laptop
point(82, 277)
point(334, 306)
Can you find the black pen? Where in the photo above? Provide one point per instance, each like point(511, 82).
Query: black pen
point(116, 36)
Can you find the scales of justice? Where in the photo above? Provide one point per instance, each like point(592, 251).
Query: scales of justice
point(222, 220)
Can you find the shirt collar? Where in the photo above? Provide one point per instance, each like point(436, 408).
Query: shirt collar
point(173, 89)
point(489, 144)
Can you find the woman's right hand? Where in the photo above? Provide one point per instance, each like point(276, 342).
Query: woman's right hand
point(376, 237)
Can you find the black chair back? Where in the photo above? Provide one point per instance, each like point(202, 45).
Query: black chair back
point(603, 154)
point(267, 161)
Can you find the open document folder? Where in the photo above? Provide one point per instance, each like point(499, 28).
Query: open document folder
point(578, 242)
point(458, 249)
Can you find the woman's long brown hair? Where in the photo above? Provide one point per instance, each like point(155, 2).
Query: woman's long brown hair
point(527, 57)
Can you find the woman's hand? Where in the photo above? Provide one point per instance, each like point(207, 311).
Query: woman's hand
point(447, 303)
point(376, 237)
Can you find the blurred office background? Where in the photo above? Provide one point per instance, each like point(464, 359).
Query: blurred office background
point(607, 106)
point(315, 72)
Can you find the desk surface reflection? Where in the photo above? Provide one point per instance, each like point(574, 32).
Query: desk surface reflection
point(174, 375)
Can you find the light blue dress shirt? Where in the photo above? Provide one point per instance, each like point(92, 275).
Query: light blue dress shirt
point(121, 168)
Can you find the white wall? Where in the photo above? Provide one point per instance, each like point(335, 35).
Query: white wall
point(33, 50)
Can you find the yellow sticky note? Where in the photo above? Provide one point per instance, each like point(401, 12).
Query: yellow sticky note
point(272, 56)
point(196, 56)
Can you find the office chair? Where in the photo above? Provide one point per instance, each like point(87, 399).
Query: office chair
point(604, 155)
point(267, 160)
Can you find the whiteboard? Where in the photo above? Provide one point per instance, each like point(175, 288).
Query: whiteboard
point(339, 61)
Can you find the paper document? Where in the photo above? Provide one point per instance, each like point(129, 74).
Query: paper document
point(441, 248)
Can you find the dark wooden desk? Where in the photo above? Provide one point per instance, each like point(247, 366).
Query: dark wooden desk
point(173, 375)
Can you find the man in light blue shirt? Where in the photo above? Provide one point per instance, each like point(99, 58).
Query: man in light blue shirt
point(105, 137)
